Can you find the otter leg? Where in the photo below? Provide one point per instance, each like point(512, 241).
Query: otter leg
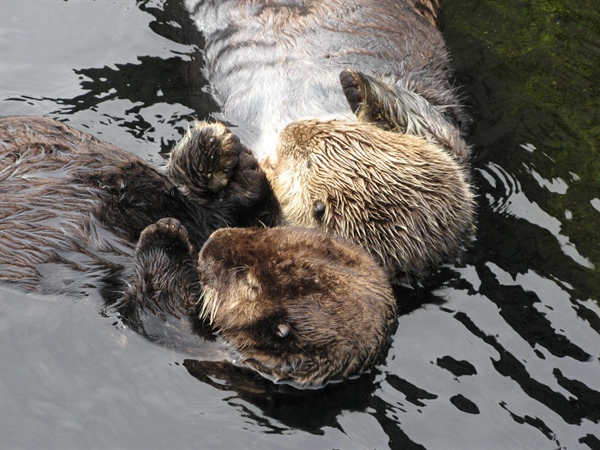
point(203, 162)
point(164, 279)
point(395, 108)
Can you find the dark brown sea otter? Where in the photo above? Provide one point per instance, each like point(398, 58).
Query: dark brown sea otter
point(379, 159)
point(78, 214)
point(298, 305)
point(72, 201)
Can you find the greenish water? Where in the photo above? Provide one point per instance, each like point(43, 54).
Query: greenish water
point(531, 70)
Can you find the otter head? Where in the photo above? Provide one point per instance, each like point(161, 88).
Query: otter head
point(401, 197)
point(298, 305)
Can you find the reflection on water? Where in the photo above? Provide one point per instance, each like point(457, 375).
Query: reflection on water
point(505, 351)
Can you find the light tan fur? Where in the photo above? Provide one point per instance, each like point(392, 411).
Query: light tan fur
point(401, 197)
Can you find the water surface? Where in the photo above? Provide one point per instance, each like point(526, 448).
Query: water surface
point(505, 351)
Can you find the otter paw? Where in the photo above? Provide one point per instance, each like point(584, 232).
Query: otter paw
point(202, 163)
point(166, 235)
point(163, 280)
point(371, 100)
point(351, 84)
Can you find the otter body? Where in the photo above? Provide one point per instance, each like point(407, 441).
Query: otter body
point(77, 214)
point(358, 127)
point(69, 199)
point(274, 62)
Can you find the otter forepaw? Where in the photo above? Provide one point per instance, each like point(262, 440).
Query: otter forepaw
point(163, 279)
point(371, 100)
point(166, 235)
point(202, 163)
point(354, 89)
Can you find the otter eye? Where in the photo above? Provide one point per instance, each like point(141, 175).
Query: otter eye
point(318, 210)
point(283, 330)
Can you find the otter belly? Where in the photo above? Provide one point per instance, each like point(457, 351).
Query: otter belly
point(274, 62)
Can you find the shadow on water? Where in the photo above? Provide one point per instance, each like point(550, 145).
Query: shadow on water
point(307, 410)
point(503, 351)
point(149, 81)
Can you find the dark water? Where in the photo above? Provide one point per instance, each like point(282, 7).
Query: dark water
point(505, 352)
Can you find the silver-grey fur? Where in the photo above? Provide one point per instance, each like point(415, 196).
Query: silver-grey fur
point(274, 62)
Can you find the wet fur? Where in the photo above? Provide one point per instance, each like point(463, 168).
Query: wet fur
point(404, 199)
point(273, 62)
point(72, 207)
point(299, 305)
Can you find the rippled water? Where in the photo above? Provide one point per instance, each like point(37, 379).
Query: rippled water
point(504, 352)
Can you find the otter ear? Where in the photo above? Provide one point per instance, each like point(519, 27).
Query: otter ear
point(283, 330)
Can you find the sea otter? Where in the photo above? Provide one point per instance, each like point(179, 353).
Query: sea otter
point(355, 120)
point(78, 214)
point(273, 62)
point(70, 200)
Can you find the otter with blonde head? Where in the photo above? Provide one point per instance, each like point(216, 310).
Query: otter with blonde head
point(353, 117)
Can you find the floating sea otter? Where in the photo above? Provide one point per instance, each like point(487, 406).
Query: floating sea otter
point(79, 214)
point(354, 119)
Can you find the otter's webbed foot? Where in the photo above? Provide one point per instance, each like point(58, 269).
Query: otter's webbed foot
point(202, 163)
point(164, 278)
point(398, 109)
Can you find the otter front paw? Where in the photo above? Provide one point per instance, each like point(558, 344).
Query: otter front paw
point(202, 163)
point(166, 235)
point(163, 280)
point(371, 100)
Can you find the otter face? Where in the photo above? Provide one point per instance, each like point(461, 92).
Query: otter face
point(298, 305)
point(402, 198)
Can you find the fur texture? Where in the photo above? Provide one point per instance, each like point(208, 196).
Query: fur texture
point(72, 207)
point(274, 62)
point(401, 197)
point(298, 305)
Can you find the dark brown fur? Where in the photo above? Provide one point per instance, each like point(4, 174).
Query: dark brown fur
point(298, 305)
point(72, 203)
